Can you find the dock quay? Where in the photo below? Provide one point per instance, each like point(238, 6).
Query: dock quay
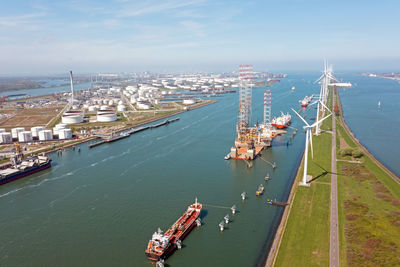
point(127, 133)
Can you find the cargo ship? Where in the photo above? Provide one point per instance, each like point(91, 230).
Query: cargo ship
point(282, 121)
point(163, 245)
point(21, 166)
point(306, 101)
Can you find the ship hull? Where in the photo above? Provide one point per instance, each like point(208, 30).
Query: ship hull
point(25, 173)
point(171, 247)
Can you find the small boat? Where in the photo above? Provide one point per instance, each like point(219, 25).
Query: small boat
point(379, 104)
point(260, 190)
point(293, 88)
point(233, 209)
point(267, 177)
point(221, 226)
point(228, 156)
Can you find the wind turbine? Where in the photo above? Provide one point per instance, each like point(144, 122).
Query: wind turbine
point(325, 79)
point(320, 103)
point(308, 129)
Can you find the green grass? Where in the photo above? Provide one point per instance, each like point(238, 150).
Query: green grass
point(306, 238)
point(369, 213)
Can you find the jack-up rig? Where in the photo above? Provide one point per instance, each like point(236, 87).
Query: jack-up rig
point(250, 140)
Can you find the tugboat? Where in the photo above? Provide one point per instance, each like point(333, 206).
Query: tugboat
point(162, 244)
point(260, 190)
point(22, 166)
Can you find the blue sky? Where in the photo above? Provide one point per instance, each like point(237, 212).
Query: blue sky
point(43, 36)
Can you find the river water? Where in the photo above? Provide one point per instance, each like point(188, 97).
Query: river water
point(377, 128)
point(100, 207)
point(48, 90)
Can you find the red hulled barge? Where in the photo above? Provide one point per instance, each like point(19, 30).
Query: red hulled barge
point(163, 245)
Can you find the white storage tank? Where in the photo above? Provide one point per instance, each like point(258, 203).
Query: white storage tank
point(45, 135)
point(189, 101)
point(25, 136)
point(15, 131)
point(65, 134)
point(111, 102)
point(120, 102)
point(92, 108)
point(5, 138)
point(106, 116)
point(143, 105)
point(2, 130)
point(35, 131)
point(121, 108)
point(59, 127)
point(105, 102)
point(70, 117)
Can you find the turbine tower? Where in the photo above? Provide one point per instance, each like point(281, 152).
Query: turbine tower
point(325, 80)
point(308, 129)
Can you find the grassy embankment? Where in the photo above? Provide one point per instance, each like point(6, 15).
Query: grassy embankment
point(369, 209)
point(306, 238)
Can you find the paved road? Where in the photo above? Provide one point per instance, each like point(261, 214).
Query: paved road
point(334, 232)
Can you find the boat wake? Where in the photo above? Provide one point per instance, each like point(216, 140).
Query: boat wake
point(51, 204)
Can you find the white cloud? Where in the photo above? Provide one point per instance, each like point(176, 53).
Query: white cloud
point(152, 7)
point(19, 21)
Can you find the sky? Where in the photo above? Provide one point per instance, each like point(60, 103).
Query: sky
point(88, 36)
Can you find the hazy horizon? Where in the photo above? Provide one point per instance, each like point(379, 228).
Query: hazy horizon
point(45, 37)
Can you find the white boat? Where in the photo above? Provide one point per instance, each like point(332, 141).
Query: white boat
point(228, 156)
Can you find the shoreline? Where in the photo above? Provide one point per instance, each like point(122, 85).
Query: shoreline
point(364, 148)
point(273, 252)
point(274, 249)
point(91, 138)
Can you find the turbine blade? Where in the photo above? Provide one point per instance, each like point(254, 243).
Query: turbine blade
point(300, 117)
point(315, 123)
point(319, 78)
point(326, 107)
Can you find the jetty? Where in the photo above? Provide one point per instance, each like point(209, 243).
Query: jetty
point(277, 203)
point(127, 133)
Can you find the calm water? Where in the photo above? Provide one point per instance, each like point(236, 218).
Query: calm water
point(100, 207)
point(48, 90)
point(376, 128)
